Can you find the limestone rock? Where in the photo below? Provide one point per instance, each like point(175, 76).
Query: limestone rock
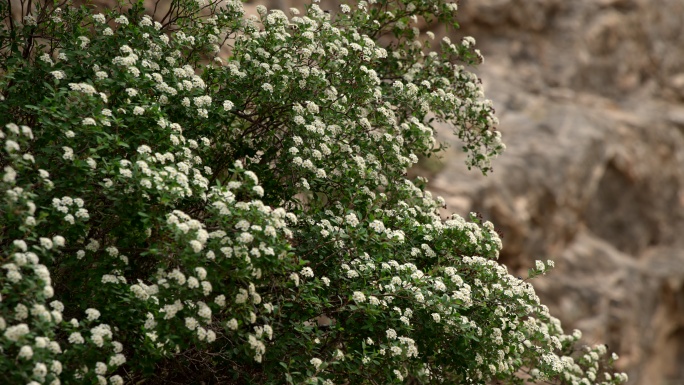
point(589, 97)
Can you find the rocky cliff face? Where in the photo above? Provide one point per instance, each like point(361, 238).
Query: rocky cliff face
point(590, 95)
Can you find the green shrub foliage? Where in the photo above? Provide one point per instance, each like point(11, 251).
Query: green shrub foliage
point(199, 196)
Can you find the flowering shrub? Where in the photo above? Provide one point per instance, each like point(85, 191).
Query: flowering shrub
point(169, 213)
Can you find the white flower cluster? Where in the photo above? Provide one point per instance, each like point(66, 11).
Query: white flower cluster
point(72, 208)
point(26, 328)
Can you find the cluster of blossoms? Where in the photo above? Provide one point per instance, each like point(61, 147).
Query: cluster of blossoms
point(72, 208)
point(250, 212)
point(30, 324)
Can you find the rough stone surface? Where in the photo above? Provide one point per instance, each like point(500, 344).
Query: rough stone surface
point(590, 95)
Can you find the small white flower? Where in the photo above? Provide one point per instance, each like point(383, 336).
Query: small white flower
point(46, 58)
point(232, 324)
point(378, 226)
point(241, 297)
point(391, 334)
point(358, 297)
point(146, 21)
point(25, 352)
point(46, 243)
point(58, 240)
point(193, 283)
point(220, 300)
point(316, 362)
point(100, 368)
point(16, 332)
point(76, 338)
point(121, 20)
point(196, 246)
point(245, 237)
point(11, 146)
point(295, 278)
point(205, 311)
point(398, 374)
point(68, 153)
point(92, 314)
point(10, 175)
point(20, 244)
point(117, 360)
point(351, 220)
point(59, 75)
point(191, 323)
point(206, 287)
point(56, 367)
point(30, 20)
point(84, 42)
point(211, 336)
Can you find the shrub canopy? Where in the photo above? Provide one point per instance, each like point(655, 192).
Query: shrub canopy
point(200, 196)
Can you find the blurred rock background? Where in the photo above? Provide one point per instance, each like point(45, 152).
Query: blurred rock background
point(590, 94)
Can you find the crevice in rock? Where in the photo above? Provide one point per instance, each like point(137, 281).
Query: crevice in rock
point(614, 213)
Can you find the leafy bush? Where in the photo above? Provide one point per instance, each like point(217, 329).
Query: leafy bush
point(172, 215)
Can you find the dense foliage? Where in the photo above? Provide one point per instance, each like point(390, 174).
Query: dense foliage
point(200, 196)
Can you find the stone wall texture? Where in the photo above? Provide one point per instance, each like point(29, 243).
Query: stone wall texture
point(590, 94)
